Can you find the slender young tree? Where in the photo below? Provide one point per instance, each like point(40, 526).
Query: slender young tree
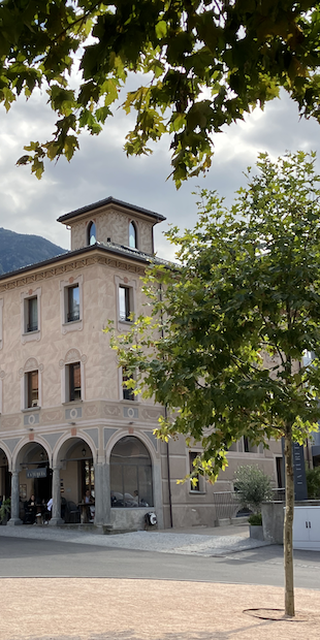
point(193, 65)
point(223, 345)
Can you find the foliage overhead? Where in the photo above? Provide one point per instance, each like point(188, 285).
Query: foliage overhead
point(253, 487)
point(223, 345)
point(195, 65)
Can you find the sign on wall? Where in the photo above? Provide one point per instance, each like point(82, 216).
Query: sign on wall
point(300, 482)
point(37, 473)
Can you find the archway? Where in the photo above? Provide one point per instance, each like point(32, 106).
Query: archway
point(35, 474)
point(130, 474)
point(31, 479)
point(77, 479)
point(5, 477)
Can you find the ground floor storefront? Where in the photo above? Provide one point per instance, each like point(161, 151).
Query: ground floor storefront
point(72, 482)
point(114, 476)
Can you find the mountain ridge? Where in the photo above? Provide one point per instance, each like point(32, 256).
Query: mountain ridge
point(19, 250)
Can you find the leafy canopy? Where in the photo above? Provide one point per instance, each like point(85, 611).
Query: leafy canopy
point(195, 66)
point(224, 342)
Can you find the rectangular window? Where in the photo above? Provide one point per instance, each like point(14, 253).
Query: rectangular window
point(73, 303)
point(192, 457)
point(74, 380)
point(248, 447)
point(280, 471)
point(32, 389)
point(125, 304)
point(127, 392)
point(31, 314)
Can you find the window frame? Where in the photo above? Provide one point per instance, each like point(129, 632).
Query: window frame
point(71, 304)
point(29, 335)
point(127, 303)
point(30, 328)
point(133, 225)
point(30, 402)
point(71, 388)
point(91, 224)
point(130, 286)
point(30, 367)
point(65, 285)
point(247, 448)
point(67, 367)
point(200, 487)
point(131, 397)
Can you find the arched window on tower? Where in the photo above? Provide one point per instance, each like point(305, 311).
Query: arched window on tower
point(133, 236)
point(131, 474)
point(91, 231)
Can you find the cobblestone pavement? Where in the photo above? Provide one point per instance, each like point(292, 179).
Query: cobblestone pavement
point(209, 543)
point(109, 609)
point(147, 609)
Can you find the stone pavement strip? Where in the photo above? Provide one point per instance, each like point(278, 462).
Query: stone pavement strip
point(132, 609)
point(170, 541)
point(111, 609)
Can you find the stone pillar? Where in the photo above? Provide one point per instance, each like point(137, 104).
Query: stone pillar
point(157, 492)
point(107, 495)
point(14, 520)
point(56, 507)
point(98, 494)
point(102, 495)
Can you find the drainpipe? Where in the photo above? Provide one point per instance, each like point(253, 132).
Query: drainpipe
point(168, 452)
point(169, 478)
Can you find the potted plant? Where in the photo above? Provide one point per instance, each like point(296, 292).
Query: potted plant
point(5, 510)
point(253, 487)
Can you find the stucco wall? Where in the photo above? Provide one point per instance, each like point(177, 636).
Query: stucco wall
point(114, 226)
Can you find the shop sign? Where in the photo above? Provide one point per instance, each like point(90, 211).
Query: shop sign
point(37, 473)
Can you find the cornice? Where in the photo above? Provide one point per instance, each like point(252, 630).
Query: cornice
point(108, 204)
point(68, 266)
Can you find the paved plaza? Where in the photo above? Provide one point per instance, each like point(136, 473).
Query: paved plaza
point(122, 608)
point(200, 541)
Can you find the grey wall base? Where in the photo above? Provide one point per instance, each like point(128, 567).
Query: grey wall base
point(273, 519)
point(129, 519)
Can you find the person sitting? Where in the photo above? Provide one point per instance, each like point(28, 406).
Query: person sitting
point(63, 504)
point(30, 510)
point(90, 509)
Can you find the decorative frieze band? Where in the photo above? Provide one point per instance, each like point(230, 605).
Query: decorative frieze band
point(60, 269)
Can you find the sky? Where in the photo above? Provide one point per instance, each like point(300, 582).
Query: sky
point(101, 168)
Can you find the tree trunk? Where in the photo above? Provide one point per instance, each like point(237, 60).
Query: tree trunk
point(288, 525)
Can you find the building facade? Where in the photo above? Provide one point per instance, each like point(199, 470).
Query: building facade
point(68, 424)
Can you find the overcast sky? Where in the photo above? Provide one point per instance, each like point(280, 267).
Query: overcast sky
point(101, 168)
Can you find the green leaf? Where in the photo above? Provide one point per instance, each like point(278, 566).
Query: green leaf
point(161, 29)
point(240, 62)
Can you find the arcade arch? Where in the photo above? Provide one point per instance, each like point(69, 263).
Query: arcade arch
point(32, 463)
point(75, 461)
point(5, 476)
point(131, 474)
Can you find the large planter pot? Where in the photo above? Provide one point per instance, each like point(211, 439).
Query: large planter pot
point(256, 531)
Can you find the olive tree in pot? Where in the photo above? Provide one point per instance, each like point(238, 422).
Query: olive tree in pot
point(253, 487)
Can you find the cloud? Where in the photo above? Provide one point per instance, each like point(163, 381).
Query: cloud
point(101, 168)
